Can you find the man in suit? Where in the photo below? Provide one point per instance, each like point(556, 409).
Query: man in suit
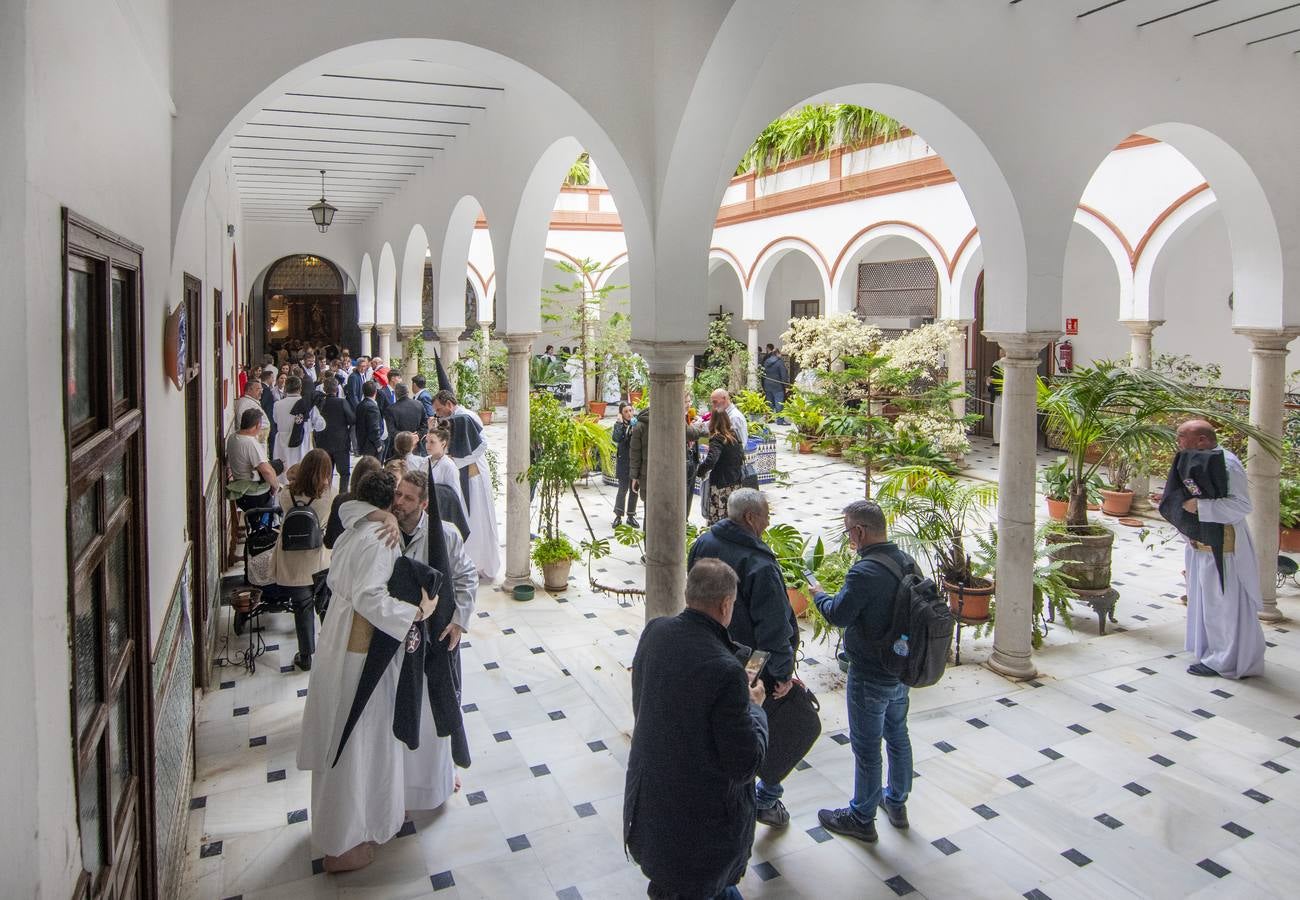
point(357, 378)
point(336, 439)
point(268, 398)
point(424, 396)
point(369, 423)
point(407, 414)
point(385, 398)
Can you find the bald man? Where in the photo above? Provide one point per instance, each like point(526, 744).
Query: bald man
point(1223, 630)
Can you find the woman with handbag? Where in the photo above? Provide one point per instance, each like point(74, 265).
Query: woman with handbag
point(724, 467)
point(301, 557)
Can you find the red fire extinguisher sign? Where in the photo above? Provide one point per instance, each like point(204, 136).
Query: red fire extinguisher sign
point(1071, 326)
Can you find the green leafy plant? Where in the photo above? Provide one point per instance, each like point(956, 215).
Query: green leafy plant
point(580, 172)
point(549, 551)
point(755, 408)
point(794, 552)
point(726, 359)
point(1289, 508)
point(813, 130)
point(603, 334)
point(1051, 585)
point(1055, 480)
point(546, 372)
point(830, 574)
point(468, 387)
point(555, 465)
point(934, 513)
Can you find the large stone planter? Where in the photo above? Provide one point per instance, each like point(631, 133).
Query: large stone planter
point(1087, 562)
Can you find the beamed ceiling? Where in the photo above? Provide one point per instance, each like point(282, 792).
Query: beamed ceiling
point(1272, 25)
point(372, 129)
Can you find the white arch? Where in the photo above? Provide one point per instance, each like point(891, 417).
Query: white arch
point(454, 259)
point(410, 312)
point(1119, 255)
point(1152, 269)
point(965, 277)
point(755, 306)
point(386, 288)
point(719, 257)
point(1257, 265)
point(366, 293)
point(606, 272)
point(522, 272)
point(845, 274)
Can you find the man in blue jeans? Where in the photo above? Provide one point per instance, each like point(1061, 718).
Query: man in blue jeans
point(877, 700)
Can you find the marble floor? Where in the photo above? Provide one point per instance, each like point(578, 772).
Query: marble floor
point(1113, 774)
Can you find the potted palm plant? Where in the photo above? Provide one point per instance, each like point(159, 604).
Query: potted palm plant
point(934, 513)
point(794, 553)
point(1289, 516)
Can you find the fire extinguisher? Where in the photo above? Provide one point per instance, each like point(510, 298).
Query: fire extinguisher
point(1065, 357)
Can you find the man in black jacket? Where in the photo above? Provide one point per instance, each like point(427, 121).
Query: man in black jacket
point(877, 700)
point(700, 735)
point(369, 423)
point(268, 398)
point(763, 618)
point(336, 439)
point(407, 414)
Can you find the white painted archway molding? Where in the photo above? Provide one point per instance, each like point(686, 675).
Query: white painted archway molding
point(366, 293)
point(721, 257)
point(966, 271)
point(844, 274)
point(1151, 268)
point(760, 273)
point(386, 287)
point(1119, 251)
point(453, 261)
point(605, 274)
point(410, 312)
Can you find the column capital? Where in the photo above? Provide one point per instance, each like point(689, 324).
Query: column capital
point(520, 342)
point(753, 323)
point(406, 332)
point(1143, 327)
point(1268, 339)
point(1022, 345)
point(384, 329)
point(449, 333)
point(668, 357)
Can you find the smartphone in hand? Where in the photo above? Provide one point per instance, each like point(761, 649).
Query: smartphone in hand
point(754, 667)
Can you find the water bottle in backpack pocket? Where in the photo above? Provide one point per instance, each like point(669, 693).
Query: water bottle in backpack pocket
point(301, 529)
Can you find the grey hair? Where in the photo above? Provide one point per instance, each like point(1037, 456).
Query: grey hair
point(867, 514)
point(709, 584)
point(744, 501)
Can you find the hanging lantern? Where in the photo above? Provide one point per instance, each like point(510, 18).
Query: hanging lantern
point(322, 212)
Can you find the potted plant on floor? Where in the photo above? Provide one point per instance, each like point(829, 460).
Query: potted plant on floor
point(805, 413)
point(1055, 481)
point(794, 552)
point(933, 513)
point(830, 575)
point(1289, 515)
point(1116, 497)
point(1108, 409)
point(1052, 586)
point(555, 467)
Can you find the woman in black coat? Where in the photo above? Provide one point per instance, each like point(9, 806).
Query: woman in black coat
point(625, 501)
point(724, 466)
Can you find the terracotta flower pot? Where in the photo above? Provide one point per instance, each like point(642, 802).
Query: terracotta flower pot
point(805, 446)
point(1056, 509)
point(596, 408)
point(485, 416)
point(555, 576)
point(1288, 540)
point(1116, 503)
point(969, 601)
point(634, 397)
point(798, 600)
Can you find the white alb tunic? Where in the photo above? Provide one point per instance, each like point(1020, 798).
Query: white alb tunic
point(363, 797)
point(482, 545)
point(1223, 629)
point(444, 471)
point(283, 411)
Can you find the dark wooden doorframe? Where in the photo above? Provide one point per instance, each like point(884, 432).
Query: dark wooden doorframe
point(196, 516)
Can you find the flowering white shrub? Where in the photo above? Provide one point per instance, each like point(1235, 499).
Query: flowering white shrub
point(818, 343)
point(946, 434)
point(924, 348)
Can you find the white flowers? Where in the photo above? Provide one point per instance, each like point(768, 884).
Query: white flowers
point(819, 343)
point(946, 434)
point(925, 348)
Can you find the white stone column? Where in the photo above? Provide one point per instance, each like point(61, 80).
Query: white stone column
point(518, 543)
point(449, 348)
point(957, 362)
point(665, 503)
point(409, 363)
point(1014, 585)
point(1267, 390)
point(1140, 331)
point(484, 376)
point(385, 341)
point(751, 377)
point(365, 340)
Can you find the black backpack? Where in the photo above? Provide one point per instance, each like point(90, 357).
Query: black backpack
point(922, 616)
point(301, 528)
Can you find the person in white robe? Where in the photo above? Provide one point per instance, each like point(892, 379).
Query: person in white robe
point(286, 418)
point(360, 800)
point(577, 387)
point(429, 774)
point(441, 469)
point(468, 452)
point(1223, 630)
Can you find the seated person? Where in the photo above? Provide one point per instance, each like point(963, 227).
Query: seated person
point(253, 481)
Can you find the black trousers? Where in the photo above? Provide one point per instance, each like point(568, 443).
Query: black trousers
point(342, 460)
point(625, 500)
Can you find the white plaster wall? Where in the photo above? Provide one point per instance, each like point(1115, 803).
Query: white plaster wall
point(1133, 186)
point(725, 291)
point(1090, 293)
point(889, 154)
point(794, 278)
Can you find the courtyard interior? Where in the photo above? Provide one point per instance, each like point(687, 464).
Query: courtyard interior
point(1113, 773)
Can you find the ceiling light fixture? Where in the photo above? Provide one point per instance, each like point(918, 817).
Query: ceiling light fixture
point(322, 212)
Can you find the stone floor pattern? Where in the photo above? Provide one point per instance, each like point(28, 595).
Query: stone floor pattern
point(1113, 774)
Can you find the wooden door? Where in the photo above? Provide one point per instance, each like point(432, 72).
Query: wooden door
point(108, 595)
point(195, 514)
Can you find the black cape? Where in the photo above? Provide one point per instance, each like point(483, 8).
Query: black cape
point(1196, 475)
point(466, 436)
point(425, 655)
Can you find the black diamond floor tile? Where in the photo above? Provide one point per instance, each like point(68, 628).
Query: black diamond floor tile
point(1020, 781)
point(518, 842)
point(945, 846)
point(1238, 830)
point(442, 880)
point(539, 770)
point(1276, 767)
point(584, 810)
point(1161, 760)
point(1213, 868)
point(476, 798)
point(766, 871)
point(984, 812)
point(1076, 857)
point(1109, 821)
point(1137, 789)
point(296, 816)
point(1079, 729)
point(899, 885)
point(1184, 735)
point(1257, 796)
point(819, 834)
point(945, 746)
point(1050, 753)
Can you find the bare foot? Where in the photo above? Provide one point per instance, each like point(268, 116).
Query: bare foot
point(456, 789)
point(358, 857)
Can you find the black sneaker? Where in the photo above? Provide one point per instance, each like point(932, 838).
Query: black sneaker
point(843, 821)
point(631, 520)
point(302, 662)
point(618, 520)
point(897, 813)
point(775, 815)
